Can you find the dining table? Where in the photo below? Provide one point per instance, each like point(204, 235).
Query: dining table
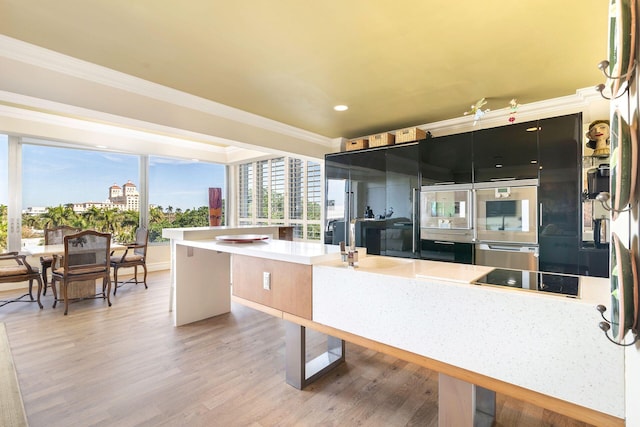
point(84, 288)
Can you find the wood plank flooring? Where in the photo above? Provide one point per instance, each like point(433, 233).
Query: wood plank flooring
point(128, 366)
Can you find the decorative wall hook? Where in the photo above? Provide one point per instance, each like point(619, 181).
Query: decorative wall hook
point(600, 88)
point(603, 65)
point(604, 197)
point(606, 325)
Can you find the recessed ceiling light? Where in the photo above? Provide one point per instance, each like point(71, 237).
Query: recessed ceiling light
point(498, 165)
point(341, 108)
point(533, 162)
point(101, 146)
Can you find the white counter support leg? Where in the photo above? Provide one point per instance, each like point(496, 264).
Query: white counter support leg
point(301, 373)
point(462, 404)
point(203, 284)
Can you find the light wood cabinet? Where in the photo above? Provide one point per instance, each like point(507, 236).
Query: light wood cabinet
point(290, 284)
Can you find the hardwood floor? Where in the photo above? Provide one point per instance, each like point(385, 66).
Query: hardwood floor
point(128, 366)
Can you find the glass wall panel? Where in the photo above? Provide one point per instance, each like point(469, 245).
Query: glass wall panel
point(82, 188)
point(245, 194)
point(179, 193)
point(277, 191)
point(289, 192)
point(296, 189)
point(4, 190)
point(314, 201)
point(262, 189)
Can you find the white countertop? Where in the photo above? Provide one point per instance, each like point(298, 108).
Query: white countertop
point(593, 290)
point(280, 250)
point(194, 233)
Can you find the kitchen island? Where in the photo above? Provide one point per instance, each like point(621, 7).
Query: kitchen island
point(542, 348)
point(201, 233)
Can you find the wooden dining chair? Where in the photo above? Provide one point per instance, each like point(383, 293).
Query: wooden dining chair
point(135, 255)
point(86, 259)
point(53, 236)
point(14, 268)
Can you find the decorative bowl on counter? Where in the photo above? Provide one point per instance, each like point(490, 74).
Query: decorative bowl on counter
point(242, 238)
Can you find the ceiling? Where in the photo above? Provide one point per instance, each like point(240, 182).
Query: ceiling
point(395, 64)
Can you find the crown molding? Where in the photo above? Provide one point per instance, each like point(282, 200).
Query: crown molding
point(47, 59)
point(55, 129)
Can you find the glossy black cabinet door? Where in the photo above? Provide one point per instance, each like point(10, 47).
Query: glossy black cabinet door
point(401, 235)
point(559, 194)
point(354, 182)
point(436, 250)
point(337, 196)
point(506, 152)
point(447, 159)
point(594, 262)
point(379, 187)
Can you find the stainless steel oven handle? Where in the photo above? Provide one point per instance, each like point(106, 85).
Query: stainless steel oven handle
point(506, 248)
point(442, 242)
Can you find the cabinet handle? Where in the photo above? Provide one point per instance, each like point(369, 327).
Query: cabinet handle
point(416, 220)
point(540, 214)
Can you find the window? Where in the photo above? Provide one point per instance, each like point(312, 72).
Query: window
point(81, 188)
point(245, 194)
point(63, 185)
point(262, 190)
point(288, 191)
point(276, 199)
point(179, 193)
point(4, 190)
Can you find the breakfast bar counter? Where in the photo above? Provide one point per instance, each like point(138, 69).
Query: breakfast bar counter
point(540, 347)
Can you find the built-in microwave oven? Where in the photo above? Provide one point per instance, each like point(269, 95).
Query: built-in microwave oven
point(446, 213)
point(507, 211)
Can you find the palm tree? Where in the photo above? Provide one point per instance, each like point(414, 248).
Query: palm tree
point(4, 223)
point(92, 216)
point(54, 216)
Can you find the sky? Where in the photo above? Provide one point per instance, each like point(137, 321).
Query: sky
point(56, 176)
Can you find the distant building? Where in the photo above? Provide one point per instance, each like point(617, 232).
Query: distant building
point(126, 196)
point(81, 207)
point(35, 210)
point(122, 198)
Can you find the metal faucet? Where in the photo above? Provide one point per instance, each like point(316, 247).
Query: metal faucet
point(352, 255)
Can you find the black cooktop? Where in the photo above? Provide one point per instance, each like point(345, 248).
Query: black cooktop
point(555, 283)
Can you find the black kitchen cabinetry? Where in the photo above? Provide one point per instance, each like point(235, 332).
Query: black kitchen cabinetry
point(354, 180)
point(447, 159)
point(379, 187)
point(559, 194)
point(438, 250)
point(386, 178)
point(402, 228)
point(594, 262)
point(506, 152)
